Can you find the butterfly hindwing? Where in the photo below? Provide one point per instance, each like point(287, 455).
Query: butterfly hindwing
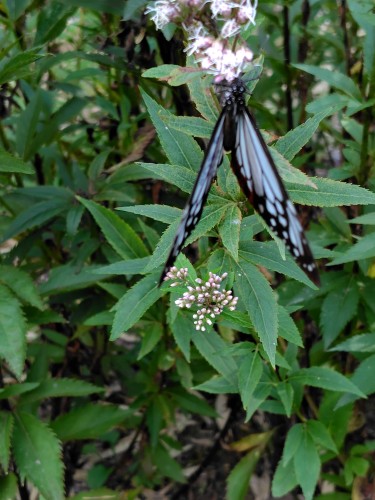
point(194, 207)
point(261, 183)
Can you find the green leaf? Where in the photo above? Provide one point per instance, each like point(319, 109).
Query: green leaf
point(132, 306)
point(130, 267)
point(167, 465)
point(330, 194)
point(285, 392)
point(21, 285)
point(217, 385)
point(334, 78)
point(339, 307)
point(229, 230)
point(364, 249)
point(162, 213)
point(183, 330)
point(17, 389)
point(161, 72)
point(359, 343)
point(100, 5)
point(325, 378)
point(211, 216)
point(12, 331)
point(307, 466)
point(151, 335)
point(284, 479)
point(238, 480)
point(11, 164)
point(6, 430)
point(60, 387)
point(260, 302)
point(88, 422)
point(68, 277)
point(191, 125)
point(267, 254)
point(287, 328)
point(38, 214)
point(27, 123)
point(8, 487)
point(364, 219)
point(191, 403)
point(17, 66)
point(249, 374)
point(179, 148)
point(292, 443)
point(118, 233)
point(292, 143)
point(37, 453)
point(216, 352)
point(363, 378)
point(320, 435)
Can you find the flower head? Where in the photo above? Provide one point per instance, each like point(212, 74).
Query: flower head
point(207, 297)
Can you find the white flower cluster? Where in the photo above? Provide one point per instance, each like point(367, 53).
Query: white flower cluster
point(208, 297)
point(211, 52)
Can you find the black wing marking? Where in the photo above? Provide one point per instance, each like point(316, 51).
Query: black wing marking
point(193, 209)
point(261, 183)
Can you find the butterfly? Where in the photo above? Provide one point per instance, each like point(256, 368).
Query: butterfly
point(251, 161)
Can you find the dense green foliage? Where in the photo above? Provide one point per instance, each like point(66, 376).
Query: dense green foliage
point(98, 365)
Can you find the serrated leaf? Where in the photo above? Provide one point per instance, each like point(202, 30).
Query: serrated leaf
point(267, 254)
point(12, 331)
point(179, 148)
point(285, 392)
point(363, 378)
point(118, 233)
point(364, 249)
point(21, 285)
point(60, 387)
point(6, 429)
point(11, 164)
point(216, 352)
point(325, 378)
point(260, 302)
point(151, 336)
point(162, 213)
point(88, 422)
point(37, 453)
point(320, 435)
point(217, 385)
point(191, 125)
point(334, 78)
point(17, 66)
point(291, 144)
point(17, 389)
point(359, 343)
point(330, 194)
point(249, 374)
point(339, 307)
point(307, 466)
point(182, 330)
point(67, 277)
point(239, 477)
point(229, 230)
point(211, 216)
point(162, 72)
point(287, 327)
point(191, 403)
point(130, 267)
point(167, 465)
point(136, 301)
point(37, 215)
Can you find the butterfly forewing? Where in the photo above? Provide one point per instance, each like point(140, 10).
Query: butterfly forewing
point(193, 209)
point(254, 167)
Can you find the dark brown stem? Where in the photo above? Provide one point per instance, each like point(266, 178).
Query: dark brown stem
point(288, 92)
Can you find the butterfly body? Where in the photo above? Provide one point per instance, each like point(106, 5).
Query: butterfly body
point(252, 163)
